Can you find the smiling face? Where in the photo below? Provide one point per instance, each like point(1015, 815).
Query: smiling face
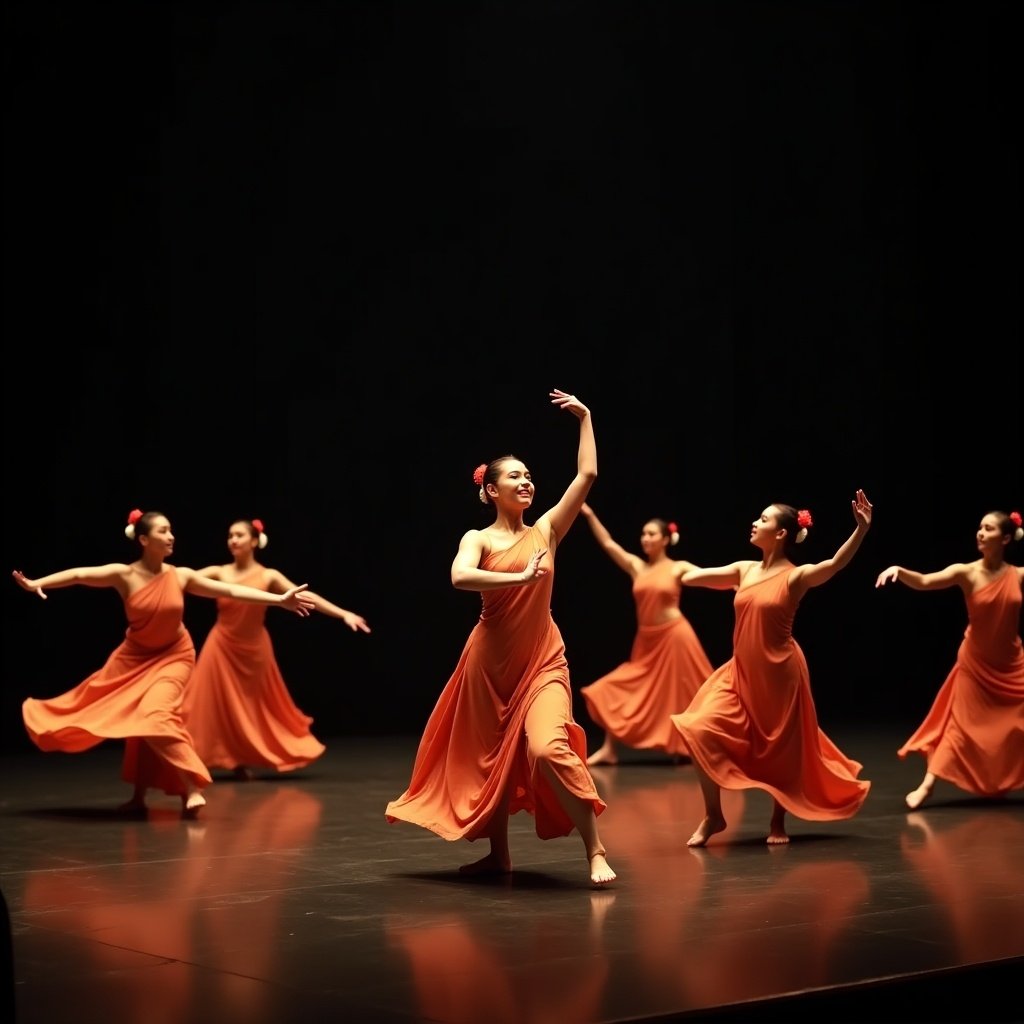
point(158, 541)
point(514, 487)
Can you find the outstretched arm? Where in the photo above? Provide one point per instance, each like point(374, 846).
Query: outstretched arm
point(625, 560)
point(294, 599)
point(110, 575)
point(562, 515)
point(716, 577)
point(953, 575)
point(280, 584)
point(467, 574)
point(814, 574)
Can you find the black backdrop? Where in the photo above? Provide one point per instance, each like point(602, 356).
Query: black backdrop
point(315, 262)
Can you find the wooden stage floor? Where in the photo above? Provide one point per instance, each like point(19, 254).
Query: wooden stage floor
point(292, 900)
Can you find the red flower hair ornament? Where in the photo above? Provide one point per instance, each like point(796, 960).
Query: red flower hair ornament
point(1016, 520)
point(478, 479)
point(803, 520)
point(133, 517)
point(257, 525)
point(673, 535)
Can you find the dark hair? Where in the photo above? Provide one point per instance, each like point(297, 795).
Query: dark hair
point(144, 524)
point(662, 525)
point(1006, 525)
point(491, 474)
point(787, 520)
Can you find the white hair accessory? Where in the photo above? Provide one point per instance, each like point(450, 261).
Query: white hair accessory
point(801, 535)
point(261, 538)
point(133, 517)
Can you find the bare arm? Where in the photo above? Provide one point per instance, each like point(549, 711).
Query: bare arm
point(958, 574)
point(114, 574)
point(803, 577)
point(561, 516)
point(467, 574)
point(280, 584)
point(625, 560)
point(294, 599)
point(718, 577)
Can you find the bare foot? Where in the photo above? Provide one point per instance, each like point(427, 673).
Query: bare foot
point(917, 797)
point(492, 864)
point(705, 830)
point(600, 870)
point(191, 805)
point(603, 755)
point(777, 837)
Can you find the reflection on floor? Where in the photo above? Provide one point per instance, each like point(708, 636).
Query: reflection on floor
point(291, 899)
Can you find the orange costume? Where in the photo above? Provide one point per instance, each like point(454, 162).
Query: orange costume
point(753, 723)
point(973, 736)
point(666, 667)
point(137, 694)
point(237, 706)
point(507, 703)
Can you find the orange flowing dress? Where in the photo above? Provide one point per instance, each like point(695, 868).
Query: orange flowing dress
point(136, 695)
point(237, 706)
point(753, 723)
point(973, 736)
point(666, 667)
point(507, 702)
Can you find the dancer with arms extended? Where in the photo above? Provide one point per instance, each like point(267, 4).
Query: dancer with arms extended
point(753, 723)
point(973, 735)
point(501, 737)
point(667, 663)
point(237, 706)
point(136, 696)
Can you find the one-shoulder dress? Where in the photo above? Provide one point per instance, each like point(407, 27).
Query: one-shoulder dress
point(237, 705)
point(753, 723)
point(136, 695)
point(666, 667)
point(474, 748)
point(973, 735)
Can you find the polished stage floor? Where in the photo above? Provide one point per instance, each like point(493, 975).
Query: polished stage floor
point(292, 900)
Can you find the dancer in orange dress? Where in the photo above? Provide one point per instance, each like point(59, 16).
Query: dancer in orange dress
point(136, 696)
point(973, 735)
point(667, 663)
point(753, 723)
point(501, 738)
point(237, 707)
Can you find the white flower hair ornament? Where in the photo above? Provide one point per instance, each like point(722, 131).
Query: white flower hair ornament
point(673, 535)
point(261, 538)
point(1015, 518)
point(133, 517)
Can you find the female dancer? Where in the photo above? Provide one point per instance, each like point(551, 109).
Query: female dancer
point(753, 723)
point(136, 696)
point(237, 706)
point(973, 735)
point(667, 663)
point(501, 737)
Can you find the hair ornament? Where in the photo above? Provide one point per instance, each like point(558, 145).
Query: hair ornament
point(478, 479)
point(673, 534)
point(803, 520)
point(1015, 518)
point(257, 525)
point(133, 517)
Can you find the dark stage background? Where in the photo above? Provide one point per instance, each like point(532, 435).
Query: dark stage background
point(315, 262)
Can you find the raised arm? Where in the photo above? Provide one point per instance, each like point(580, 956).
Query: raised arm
point(111, 575)
point(954, 575)
point(294, 599)
point(562, 515)
point(816, 573)
point(625, 560)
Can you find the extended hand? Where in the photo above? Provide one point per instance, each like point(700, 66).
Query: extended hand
point(570, 402)
point(533, 570)
point(355, 622)
point(27, 584)
point(861, 509)
point(891, 575)
point(296, 601)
